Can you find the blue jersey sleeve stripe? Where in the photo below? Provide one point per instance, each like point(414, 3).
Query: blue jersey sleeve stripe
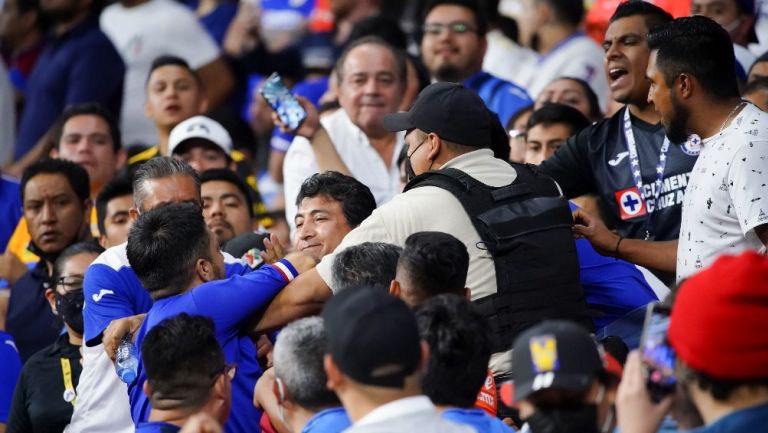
point(286, 269)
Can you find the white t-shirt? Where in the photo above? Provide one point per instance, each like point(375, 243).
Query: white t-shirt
point(142, 33)
point(576, 56)
point(102, 398)
point(506, 59)
point(727, 196)
point(362, 160)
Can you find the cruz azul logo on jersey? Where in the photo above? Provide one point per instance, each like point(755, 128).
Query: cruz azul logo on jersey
point(631, 204)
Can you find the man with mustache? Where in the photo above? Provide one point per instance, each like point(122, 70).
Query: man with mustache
point(226, 204)
point(453, 48)
point(56, 206)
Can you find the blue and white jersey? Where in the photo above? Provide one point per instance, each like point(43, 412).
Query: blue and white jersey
point(502, 97)
point(230, 303)
point(113, 291)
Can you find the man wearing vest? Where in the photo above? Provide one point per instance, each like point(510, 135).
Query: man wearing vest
point(513, 220)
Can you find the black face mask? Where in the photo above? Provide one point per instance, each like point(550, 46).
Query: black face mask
point(70, 308)
point(409, 173)
point(582, 419)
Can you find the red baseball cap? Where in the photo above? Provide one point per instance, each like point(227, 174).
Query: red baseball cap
point(720, 316)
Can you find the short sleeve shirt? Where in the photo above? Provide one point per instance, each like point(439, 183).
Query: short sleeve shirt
point(727, 195)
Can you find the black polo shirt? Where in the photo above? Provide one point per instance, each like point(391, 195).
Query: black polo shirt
point(38, 401)
point(596, 161)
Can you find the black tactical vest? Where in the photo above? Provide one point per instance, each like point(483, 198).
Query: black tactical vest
point(526, 227)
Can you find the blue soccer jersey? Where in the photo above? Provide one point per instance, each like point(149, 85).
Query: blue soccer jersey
point(502, 97)
point(113, 291)
point(612, 287)
point(230, 303)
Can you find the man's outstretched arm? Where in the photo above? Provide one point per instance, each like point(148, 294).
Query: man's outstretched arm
point(659, 255)
point(303, 297)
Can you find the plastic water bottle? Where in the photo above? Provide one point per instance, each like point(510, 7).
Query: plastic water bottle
point(126, 360)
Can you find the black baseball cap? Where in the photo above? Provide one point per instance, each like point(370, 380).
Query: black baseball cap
point(372, 336)
point(451, 111)
point(555, 354)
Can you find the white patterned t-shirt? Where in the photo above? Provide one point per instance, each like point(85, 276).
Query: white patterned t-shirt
point(727, 196)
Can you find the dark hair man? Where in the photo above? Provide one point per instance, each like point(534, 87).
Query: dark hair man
point(88, 135)
point(453, 46)
point(186, 373)
point(715, 320)
point(174, 93)
point(206, 145)
point(460, 139)
point(330, 205)
point(378, 364)
point(619, 158)
point(112, 291)
point(694, 89)
point(112, 211)
point(431, 263)
point(226, 204)
point(551, 27)
point(295, 391)
point(459, 351)
point(548, 128)
point(78, 65)
point(370, 264)
point(56, 206)
point(177, 260)
point(562, 381)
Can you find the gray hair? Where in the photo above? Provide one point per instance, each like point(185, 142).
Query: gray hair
point(401, 68)
point(156, 168)
point(298, 358)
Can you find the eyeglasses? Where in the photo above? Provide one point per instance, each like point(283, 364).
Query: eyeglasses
point(71, 283)
point(517, 134)
point(457, 27)
point(229, 370)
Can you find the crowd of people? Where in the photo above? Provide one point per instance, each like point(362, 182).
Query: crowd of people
point(494, 216)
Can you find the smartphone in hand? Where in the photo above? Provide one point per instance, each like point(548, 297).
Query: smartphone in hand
point(658, 356)
point(282, 101)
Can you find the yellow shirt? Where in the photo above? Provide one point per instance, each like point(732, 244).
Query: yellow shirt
point(20, 240)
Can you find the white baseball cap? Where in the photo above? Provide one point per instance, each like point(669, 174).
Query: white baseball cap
point(200, 127)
